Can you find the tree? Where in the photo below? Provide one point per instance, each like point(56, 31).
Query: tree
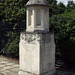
point(54, 2)
point(14, 10)
point(64, 28)
point(61, 8)
point(53, 7)
point(13, 18)
point(70, 5)
point(1, 10)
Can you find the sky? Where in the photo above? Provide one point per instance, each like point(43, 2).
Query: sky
point(64, 1)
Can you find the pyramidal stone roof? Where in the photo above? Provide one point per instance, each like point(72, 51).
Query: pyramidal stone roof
point(37, 2)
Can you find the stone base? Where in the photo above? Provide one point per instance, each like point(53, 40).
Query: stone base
point(51, 72)
point(37, 54)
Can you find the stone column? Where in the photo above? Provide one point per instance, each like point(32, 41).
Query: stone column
point(37, 53)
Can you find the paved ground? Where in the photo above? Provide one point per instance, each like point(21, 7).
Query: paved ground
point(8, 66)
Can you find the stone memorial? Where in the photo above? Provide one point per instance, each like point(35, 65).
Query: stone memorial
point(37, 46)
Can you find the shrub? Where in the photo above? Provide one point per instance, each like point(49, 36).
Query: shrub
point(13, 48)
point(64, 28)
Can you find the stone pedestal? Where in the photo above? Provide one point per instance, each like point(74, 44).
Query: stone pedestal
point(37, 53)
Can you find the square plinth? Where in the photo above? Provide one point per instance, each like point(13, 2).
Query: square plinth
point(37, 54)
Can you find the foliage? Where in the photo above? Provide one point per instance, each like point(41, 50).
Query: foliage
point(70, 6)
point(12, 13)
point(14, 10)
point(64, 28)
point(70, 14)
point(1, 9)
point(67, 50)
point(54, 2)
point(12, 45)
point(53, 7)
point(61, 8)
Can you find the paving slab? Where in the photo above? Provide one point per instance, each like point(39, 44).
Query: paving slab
point(2, 65)
point(10, 64)
point(8, 67)
point(1, 74)
point(7, 72)
point(15, 70)
point(15, 65)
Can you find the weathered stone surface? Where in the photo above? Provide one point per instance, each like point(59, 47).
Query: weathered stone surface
point(37, 53)
point(37, 16)
point(37, 19)
point(32, 2)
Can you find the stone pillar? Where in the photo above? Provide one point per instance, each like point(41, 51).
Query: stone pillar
point(37, 47)
point(37, 53)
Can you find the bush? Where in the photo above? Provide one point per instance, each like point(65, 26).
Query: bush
point(64, 28)
point(12, 46)
point(67, 51)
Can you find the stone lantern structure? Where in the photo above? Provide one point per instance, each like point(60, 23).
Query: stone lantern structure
point(37, 46)
point(37, 15)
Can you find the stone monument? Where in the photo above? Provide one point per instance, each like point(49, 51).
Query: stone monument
point(37, 47)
